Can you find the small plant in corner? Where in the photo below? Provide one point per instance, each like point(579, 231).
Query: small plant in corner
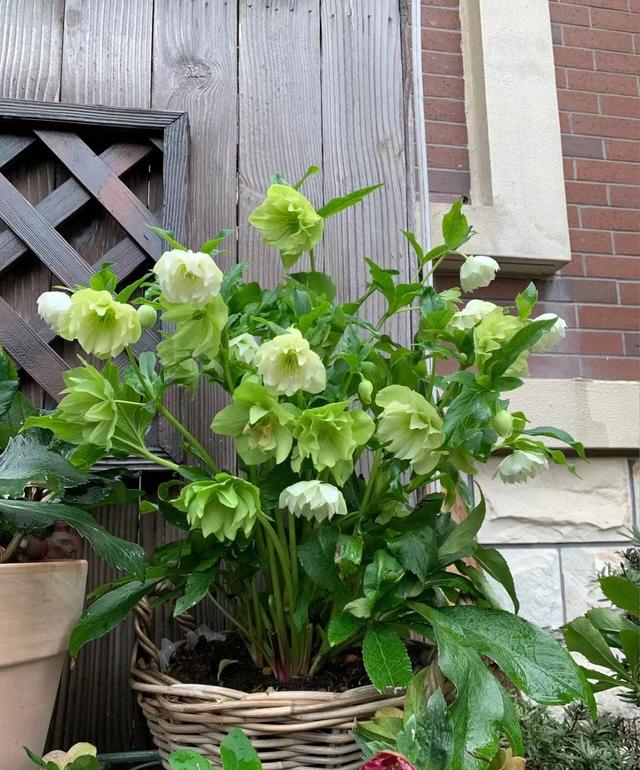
point(81, 756)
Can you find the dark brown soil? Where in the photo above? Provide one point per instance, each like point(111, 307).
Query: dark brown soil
point(201, 665)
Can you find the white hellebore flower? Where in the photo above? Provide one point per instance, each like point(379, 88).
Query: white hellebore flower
point(555, 334)
point(471, 314)
point(243, 348)
point(313, 500)
point(52, 306)
point(287, 364)
point(521, 465)
point(477, 272)
point(188, 277)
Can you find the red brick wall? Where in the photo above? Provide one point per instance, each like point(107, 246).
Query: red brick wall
point(597, 56)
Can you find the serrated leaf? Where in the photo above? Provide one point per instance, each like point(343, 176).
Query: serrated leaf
point(559, 435)
point(336, 205)
point(455, 228)
point(108, 611)
point(461, 541)
point(522, 340)
point(28, 516)
point(27, 462)
point(622, 592)
point(317, 556)
point(195, 589)
point(237, 753)
point(496, 565)
point(343, 627)
point(385, 658)
point(187, 759)
point(167, 236)
point(416, 551)
point(209, 246)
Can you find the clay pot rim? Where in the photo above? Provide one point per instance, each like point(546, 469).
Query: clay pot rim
point(55, 565)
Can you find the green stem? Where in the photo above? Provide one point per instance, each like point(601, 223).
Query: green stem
point(190, 438)
point(312, 261)
point(224, 344)
point(421, 481)
point(144, 452)
point(229, 616)
point(375, 468)
point(12, 546)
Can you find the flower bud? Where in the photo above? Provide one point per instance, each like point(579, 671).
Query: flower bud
point(555, 334)
point(52, 306)
point(477, 272)
point(365, 391)
point(502, 423)
point(147, 316)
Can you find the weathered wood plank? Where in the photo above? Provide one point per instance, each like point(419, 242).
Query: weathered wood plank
point(280, 101)
point(363, 124)
point(32, 228)
point(12, 146)
point(125, 207)
point(30, 56)
point(30, 352)
point(106, 61)
point(189, 72)
point(88, 115)
point(70, 196)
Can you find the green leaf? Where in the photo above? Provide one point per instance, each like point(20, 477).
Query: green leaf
point(167, 236)
point(461, 541)
point(86, 762)
point(39, 761)
point(195, 589)
point(526, 300)
point(317, 554)
point(104, 279)
point(187, 759)
point(416, 550)
point(522, 340)
point(455, 228)
point(335, 205)
point(343, 627)
point(8, 382)
point(496, 565)
point(27, 462)
point(27, 515)
point(622, 592)
point(381, 576)
point(583, 637)
point(630, 643)
point(559, 435)
point(385, 658)
point(427, 737)
point(319, 283)
point(212, 244)
point(532, 659)
point(108, 611)
point(417, 248)
point(237, 753)
point(348, 554)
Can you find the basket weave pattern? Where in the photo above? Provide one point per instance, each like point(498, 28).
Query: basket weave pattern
point(303, 730)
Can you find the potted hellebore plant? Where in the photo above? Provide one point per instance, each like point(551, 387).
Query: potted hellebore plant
point(328, 546)
point(42, 578)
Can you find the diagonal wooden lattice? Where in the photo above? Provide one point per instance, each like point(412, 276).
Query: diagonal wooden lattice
point(31, 228)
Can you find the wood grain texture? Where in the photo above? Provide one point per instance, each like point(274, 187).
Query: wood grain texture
point(12, 146)
point(69, 197)
point(94, 174)
point(195, 69)
point(280, 102)
point(363, 124)
point(29, 351)
point(107, 60)
point(30, 62)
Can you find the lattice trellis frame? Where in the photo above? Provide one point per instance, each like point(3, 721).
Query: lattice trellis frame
point(32, 228)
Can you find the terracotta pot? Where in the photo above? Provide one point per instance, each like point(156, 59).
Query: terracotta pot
point(299, 730)
point(39, 604)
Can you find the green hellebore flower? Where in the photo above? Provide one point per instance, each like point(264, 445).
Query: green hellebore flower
point(197, 331)
point(287, 364)
point(103, 326)
point(260, 425)
point(221, 506)
point(410, 427)
point(493, 331)
point(90, 412)
point(288, 221)
point(329, 435)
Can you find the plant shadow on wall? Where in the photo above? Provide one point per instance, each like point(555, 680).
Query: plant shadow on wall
point(318, 562)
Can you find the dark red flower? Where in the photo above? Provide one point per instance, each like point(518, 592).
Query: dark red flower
point(387, 760)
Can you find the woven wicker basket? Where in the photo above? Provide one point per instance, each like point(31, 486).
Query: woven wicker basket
point(290, 730)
